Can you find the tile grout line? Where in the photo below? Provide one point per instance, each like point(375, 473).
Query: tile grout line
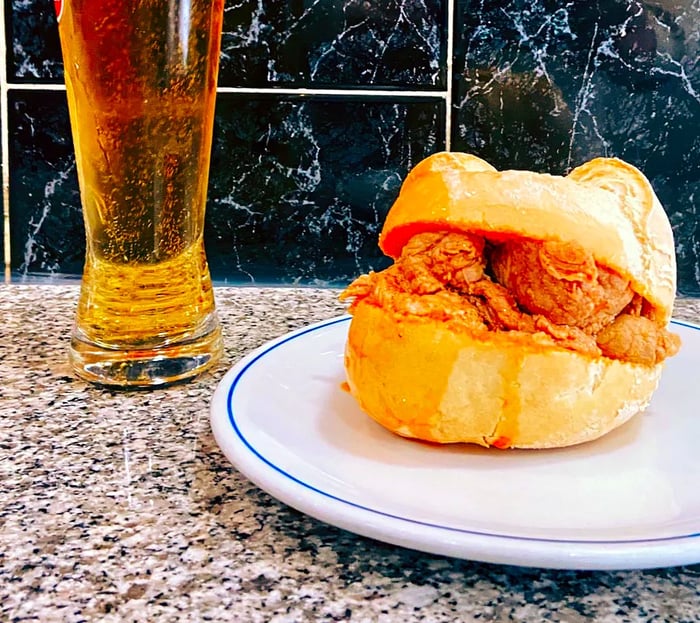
point(451, 6)
point(5, 147)
point(34, 86)
point(300, 91)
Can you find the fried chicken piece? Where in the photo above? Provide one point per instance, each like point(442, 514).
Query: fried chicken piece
point(447, 259)
point(550, 289)
point(562, 282)
point(568, 337)
point(638, 340)
point(408, 288)
point(501, 307)
point(360, 288)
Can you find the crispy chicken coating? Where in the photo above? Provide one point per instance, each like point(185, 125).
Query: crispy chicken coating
point(417, 283)
point(433, 261)
point(551, 289)
point(562, 282)
point(637, 339)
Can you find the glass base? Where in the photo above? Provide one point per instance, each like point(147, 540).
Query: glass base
point(145, 367)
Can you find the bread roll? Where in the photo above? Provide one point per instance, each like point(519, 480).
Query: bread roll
point(423, 377)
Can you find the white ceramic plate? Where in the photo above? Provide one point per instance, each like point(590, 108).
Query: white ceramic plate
point(628, 500)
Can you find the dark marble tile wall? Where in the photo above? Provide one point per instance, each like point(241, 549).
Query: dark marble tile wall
point(300, 184)
point(548, 85)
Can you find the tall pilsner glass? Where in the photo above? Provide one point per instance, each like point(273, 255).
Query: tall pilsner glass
point(141, 81)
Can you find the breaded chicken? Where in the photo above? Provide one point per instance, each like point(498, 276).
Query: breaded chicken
point(556, 290)
point(562, 282)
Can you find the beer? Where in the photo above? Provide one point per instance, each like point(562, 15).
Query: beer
point(141, 85)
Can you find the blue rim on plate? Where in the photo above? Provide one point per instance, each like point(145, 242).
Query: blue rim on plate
point(265, 472)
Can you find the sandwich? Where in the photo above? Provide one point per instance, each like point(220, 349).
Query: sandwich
point(521, 310)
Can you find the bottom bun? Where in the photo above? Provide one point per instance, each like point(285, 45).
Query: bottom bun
point(422, 379)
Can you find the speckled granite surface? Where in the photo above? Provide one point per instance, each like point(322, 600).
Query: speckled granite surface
point(120, 507)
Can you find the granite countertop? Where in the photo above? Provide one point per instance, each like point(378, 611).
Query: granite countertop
point(119, 506)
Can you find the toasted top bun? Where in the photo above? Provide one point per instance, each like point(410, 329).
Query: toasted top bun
point(606, 205)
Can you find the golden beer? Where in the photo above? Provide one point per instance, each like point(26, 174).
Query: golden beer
point(141, 84)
